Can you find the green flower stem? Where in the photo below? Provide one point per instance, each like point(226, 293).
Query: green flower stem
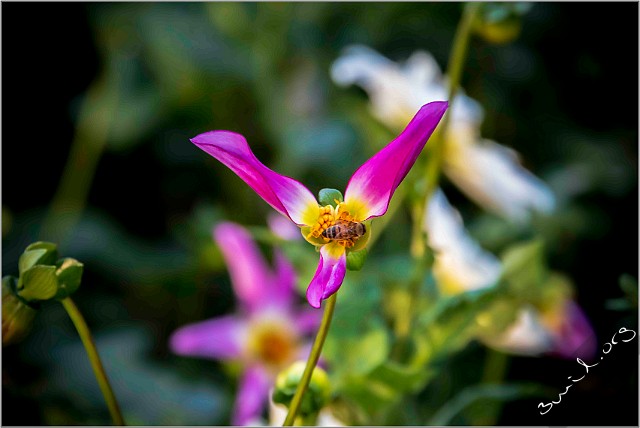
point(436, 146)
point(94, 358)
point(404, 321)
point(89, 142)
point(454, 72)
point(311, 361)
point(433, 167)
point(494, 371)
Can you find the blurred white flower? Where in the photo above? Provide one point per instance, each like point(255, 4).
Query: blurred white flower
point(278, 413)
point(490, 174)
point(562, 330)
point(526, 336)
point(460, 263)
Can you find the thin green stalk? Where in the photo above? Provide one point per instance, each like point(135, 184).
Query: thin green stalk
point(89, 142)
point(494, 371)
point(454, 72)
point(94, 358)
point(434, 164)
point(436, 146)
point(311, 361)
point(405, 320)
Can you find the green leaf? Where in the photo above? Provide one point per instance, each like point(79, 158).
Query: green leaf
point(363, 354)
point(372, 397)
point(39, 283)
point(356, 259)
point(400, 377)
point(446, 413)
point(329, 197)
point(524, 267)
point(69, 274)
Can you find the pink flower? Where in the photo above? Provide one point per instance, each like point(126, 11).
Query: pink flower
point(367, 194)
point(265, 335)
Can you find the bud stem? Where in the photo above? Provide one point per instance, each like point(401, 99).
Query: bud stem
point(94, 358)
point(314, 355)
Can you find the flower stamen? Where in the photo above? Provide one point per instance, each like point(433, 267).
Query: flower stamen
point(326, 219)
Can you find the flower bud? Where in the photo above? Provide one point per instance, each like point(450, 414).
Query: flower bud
point(38, 283)
point(42, 277)
point(69, 273)
point(315, 398)
point(17, 315)
point(329, 197)
point(38, 253)
point(500, 22)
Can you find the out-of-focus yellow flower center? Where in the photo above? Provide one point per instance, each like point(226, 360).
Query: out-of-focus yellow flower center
point(272, 343)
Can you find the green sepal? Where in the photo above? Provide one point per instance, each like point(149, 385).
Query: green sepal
point(356, 259)
point(38, 283)
point(41, 253)
point(69, 272)
point(329, 197)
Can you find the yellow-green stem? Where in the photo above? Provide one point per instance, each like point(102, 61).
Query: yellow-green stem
point(94, 121)
point(495, 369)
point(94, 358)
point(434, 163)
point(311, 361)
point(454, 72)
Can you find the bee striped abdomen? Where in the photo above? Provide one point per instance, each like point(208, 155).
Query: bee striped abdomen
point(345, 231)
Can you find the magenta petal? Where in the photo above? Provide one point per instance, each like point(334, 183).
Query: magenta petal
point(308, 320)
point(328, 277)
point(253, 394)
point(285, 194)
point(375, 181)
point(218, 338)
point(576, 337)
point(282, 291)
point(248, 269)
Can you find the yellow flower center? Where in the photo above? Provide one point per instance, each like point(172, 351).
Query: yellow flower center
point(338, 217)
point(272, 343)
point(326, 219)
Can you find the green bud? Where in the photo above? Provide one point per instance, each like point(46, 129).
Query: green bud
point(38, 283)
point(317, 395)
point(69, 273)
point(500, 22)
point(356, 259)
point(16, 314)
point(38, 253)
point(329, 197)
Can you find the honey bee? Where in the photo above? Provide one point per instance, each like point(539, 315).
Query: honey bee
point(345, 231)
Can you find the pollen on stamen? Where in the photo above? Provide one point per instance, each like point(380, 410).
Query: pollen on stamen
point(326, 219)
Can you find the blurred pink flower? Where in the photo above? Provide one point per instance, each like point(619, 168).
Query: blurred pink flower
point(265, 335)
